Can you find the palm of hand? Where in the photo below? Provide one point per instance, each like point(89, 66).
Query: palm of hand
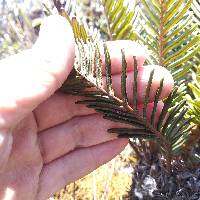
point(46, 152)
point(25, 162)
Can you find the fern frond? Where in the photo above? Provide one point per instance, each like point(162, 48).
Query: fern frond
point(196, 9)
point(194, 103)
point(135, 83)
point(172, 40)
point(119, 20)
point(167, 28)
point(195, 110)
point(193, 115)
point(171, 131)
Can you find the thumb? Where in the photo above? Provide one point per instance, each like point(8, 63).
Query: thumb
point(29, 78)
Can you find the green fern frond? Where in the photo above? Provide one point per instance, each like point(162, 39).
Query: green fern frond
point(119, 20)
point(194, 110)
point(194, 102)
point(171, 34)
point(196, 9)
point(167, 28)
point(194, 114)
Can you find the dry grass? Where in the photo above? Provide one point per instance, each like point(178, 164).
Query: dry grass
point(109, 182)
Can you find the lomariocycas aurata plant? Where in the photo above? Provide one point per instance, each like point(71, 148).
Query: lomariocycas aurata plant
point(86, 80)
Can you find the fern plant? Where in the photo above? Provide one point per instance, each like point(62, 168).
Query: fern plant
point(120, 109)
point(119, 19)
point(165, 27)
point(171, 34)
point(194, 102)
point(171, 45)
point(196, 9)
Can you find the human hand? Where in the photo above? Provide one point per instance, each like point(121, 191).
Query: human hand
point(46, 141)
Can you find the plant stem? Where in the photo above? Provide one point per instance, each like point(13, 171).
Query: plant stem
point(168, 161)
point(161, 34)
